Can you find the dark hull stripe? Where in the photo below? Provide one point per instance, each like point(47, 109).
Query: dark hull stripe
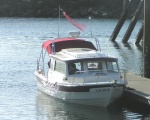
point(75, 88)
point(82, 88)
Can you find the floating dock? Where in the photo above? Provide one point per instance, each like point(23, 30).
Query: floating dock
point(138, 89)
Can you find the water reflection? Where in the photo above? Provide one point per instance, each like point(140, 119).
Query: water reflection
point(130, 57)
point(139, 47)
point(116, 45)
point(127, 45)
point(49, 108)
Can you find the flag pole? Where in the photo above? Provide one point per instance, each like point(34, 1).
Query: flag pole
point(59, 21)
point(90, 26)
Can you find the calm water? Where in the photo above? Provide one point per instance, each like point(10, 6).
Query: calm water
point(20, 45)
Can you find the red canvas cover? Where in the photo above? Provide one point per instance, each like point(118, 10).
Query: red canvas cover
point(62, 43)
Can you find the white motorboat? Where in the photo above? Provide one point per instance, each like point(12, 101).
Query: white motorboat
point(79, 72)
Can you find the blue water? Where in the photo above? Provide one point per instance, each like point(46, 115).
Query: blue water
point(20, 46)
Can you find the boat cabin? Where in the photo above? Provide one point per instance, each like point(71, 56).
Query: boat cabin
point(75, 60)
point(81, 65)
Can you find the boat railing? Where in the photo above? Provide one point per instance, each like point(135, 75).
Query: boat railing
point(94, 40)
point(97, 44)
point(122, 76)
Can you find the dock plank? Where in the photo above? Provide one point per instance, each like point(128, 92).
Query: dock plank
point(138, 89)
point(138, 83)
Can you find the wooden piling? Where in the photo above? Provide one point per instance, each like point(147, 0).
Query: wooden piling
point(146, 37)
point(133, 22)
point(126, 5)
point(139, 36)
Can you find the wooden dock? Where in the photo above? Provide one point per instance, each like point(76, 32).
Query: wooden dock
point(138, 89)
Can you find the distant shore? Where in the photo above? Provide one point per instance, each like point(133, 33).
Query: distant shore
point(74, 8)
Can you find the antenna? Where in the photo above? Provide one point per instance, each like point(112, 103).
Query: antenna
point(59, 20)
point(53, 47)
point(90, 26)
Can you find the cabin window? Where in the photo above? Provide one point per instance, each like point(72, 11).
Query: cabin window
point(94, 65)
point(112, 66)
point(75, 67)
point(60, 66)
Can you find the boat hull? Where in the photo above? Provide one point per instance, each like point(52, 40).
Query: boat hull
point(87, 98)
point(96, 95)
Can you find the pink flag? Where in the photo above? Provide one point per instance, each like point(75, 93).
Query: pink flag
point(80, 26)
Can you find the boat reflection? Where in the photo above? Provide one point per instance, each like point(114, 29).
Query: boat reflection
point(49, 108)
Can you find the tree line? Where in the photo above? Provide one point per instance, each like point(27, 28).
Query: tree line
point(75, 8)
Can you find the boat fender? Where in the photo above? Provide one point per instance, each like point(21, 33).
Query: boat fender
point(115, 83)
point(41, 71)
point(37, 64)
point(49, 63)
point(55, 84)
point(65, 79)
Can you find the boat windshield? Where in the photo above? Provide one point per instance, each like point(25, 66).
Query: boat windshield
point(112, 66)
point(74, 67)
point(81, 67)
point(94, 65)
point(103, 65)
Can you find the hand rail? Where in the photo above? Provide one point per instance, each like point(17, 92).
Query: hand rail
point(98, 73)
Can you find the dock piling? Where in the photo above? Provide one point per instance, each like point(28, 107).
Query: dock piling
point(133, 22)
point(146, 37)
point(139, 36)
point(126, 5)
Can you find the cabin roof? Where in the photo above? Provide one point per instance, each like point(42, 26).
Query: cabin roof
point(63, 43)
point(81, 54)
